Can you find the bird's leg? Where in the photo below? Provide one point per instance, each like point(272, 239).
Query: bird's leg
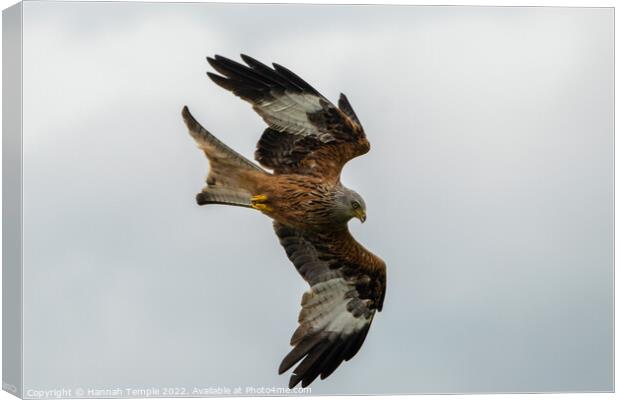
point(258, 203)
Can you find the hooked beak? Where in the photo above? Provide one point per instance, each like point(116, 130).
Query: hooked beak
point(361, 215)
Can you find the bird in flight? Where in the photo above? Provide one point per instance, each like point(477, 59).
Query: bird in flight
point(306, 144)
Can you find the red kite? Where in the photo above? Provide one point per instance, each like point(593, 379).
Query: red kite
point(306, 144)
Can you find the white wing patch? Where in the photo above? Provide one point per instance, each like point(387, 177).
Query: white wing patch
point(324, 308)
point(288, 112)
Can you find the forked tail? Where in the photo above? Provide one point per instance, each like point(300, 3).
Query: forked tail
point(232, 178)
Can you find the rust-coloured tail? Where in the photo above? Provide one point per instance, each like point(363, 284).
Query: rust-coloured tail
point(232, 178)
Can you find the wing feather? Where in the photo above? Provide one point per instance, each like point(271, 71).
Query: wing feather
point(345, 106)
point(347, 287)
point(307, 134)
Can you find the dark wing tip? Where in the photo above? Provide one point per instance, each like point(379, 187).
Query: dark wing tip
point(345, 106)
point(252, 62)
point(321, 356)
point(211, 61)
point(221, 58)
point(295, 80)
point(215, 77)
point(295, 379)
point(223, 64)
point(220, 81)
point(255, 80)
point(299, 351)
point(217, 59)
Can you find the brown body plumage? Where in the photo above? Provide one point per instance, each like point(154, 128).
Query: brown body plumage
point(306, 145)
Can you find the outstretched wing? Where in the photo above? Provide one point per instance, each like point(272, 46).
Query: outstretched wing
point(307, 134)
point(347, 287)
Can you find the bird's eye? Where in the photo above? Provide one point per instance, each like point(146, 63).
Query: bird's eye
point(355, 205)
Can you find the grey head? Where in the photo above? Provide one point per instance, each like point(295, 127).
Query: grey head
point(349, 204)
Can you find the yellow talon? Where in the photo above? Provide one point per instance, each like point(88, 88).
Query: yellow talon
point(258, 203)
point(261, 198)
point(261, 207)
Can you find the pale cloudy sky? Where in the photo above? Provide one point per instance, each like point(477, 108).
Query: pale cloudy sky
point(489, 192)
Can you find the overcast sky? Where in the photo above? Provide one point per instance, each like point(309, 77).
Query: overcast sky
point(489, 193)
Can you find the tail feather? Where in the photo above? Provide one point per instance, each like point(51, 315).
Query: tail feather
point(224, 196)
point(232, 178)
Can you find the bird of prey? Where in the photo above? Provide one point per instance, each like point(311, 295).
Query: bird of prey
point(306, 144)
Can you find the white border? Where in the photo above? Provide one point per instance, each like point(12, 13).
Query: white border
point(539, 3)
